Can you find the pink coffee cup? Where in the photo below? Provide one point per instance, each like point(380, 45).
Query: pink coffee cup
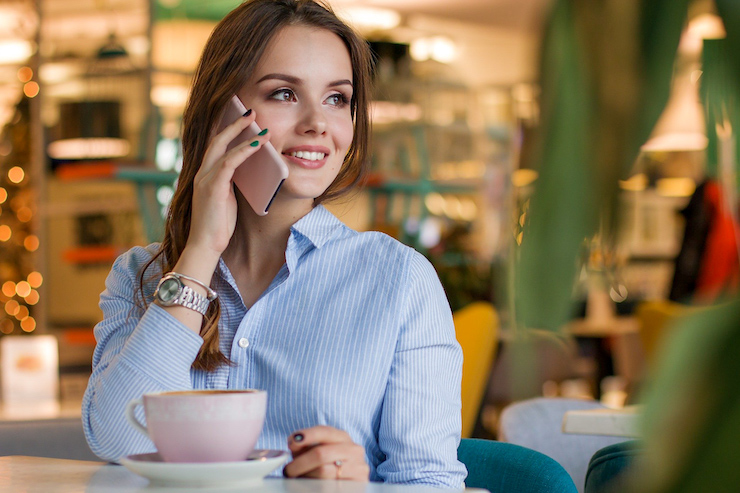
point(202, 425)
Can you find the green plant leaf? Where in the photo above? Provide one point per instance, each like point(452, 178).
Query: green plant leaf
point(691, 417)
point(605, 75)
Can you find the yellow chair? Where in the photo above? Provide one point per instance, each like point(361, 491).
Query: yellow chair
point(656, 318)
point(476, 327)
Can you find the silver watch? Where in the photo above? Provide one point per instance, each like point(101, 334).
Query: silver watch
point(172, 291)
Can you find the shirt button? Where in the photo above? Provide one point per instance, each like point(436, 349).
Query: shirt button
point(243, 342)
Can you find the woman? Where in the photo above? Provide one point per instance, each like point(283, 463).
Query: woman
point(350, 333)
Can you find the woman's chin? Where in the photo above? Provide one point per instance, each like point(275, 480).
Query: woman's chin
point(305, 190)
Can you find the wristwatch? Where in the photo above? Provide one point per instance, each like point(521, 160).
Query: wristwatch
point(172, 291)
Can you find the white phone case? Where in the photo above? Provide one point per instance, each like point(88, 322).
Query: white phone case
point(260, 176)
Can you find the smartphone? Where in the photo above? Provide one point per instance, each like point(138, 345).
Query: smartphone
point(261, 175)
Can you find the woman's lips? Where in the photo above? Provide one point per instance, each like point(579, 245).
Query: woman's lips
point(310, 157)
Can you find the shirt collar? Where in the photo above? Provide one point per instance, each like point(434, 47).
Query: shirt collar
point(318, 226)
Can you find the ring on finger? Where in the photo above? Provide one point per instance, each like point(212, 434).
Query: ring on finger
point(338, 464)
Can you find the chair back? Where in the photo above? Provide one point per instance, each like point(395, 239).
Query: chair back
point(538, 424)
point(476, 328)
point(609, 467)
point(656, 318)
point(503, 467)
point(550, 357)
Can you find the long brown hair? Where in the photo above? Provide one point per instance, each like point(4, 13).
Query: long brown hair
point(231, 54)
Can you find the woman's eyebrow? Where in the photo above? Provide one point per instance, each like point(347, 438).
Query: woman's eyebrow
point(295, 80)
point(287, 78)
point(341, 82)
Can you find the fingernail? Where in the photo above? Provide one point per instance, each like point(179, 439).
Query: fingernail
point(263, 132)
point(248, 112)
point(255, 143)
point(298, 437)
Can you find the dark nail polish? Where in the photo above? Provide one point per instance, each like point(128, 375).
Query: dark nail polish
point(248, 112)
point(298, 437)
point(263, 132)
point(254, 143)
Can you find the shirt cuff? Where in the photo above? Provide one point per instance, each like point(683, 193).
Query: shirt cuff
point(161, 345)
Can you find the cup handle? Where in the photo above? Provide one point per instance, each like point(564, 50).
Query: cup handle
point(130, 407)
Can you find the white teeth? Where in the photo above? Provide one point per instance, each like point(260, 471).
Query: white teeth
point(309, 156)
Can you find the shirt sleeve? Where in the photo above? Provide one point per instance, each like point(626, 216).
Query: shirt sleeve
point(138, 351)
point(421, 423)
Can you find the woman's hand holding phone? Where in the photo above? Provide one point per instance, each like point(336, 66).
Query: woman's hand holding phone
point(214, 204)
point(213, 216)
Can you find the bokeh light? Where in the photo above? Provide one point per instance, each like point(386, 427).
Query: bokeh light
point(31, 242)
point(9, 289)
point(16, 174)
point(23, 289)
point(24, 214)
point(28, 324)
point(5, 232)
point(22, 313)
point(12, 307)
point(33, 297)
point(31, 89)
point(3, 195)
point(25, 74)
point(6, 326)
point(35, 279)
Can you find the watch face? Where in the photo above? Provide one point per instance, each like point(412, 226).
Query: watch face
point(168, 290)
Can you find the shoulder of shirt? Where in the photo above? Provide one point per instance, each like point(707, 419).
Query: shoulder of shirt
point(135, 258)
point(384, 246)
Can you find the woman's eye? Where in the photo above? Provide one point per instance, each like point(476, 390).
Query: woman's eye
point(337, 100)
point(283, 95)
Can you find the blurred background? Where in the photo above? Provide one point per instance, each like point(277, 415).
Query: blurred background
point(91, 99)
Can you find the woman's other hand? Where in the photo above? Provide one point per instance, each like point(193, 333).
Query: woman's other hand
point(214, 203)
point(323, 452)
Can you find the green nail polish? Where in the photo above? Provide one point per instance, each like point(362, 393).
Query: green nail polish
point(255, 143)
point(263, 132)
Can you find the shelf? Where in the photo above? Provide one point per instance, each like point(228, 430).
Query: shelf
point(422, 186)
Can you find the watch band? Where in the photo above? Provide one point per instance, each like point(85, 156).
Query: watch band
point(211, 294)
point(190, 299)
point(172, 291)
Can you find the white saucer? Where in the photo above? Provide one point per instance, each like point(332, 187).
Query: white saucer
point(242, 473)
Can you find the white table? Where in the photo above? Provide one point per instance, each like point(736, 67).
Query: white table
point(40, 475)
point(623, 422)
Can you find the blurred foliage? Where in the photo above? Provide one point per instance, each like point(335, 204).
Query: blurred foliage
point(464, 278)
point(691, 420)
point(465, 282)
point(606, 69)
point(719, 94)
point(692, 408)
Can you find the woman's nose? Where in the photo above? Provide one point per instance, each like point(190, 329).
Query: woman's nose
point(312, 121)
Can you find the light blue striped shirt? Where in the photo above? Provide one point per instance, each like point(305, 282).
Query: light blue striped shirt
point(354, 332)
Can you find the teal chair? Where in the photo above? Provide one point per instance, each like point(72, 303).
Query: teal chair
point(538, 424)
point(503, 467)
point(608, 466)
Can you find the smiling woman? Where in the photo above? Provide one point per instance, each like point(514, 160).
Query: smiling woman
point(301, 90)
point(350, 333)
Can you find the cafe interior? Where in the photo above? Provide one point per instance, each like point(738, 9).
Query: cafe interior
point(569, 170)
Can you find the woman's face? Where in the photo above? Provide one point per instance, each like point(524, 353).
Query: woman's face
point(301, 92)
